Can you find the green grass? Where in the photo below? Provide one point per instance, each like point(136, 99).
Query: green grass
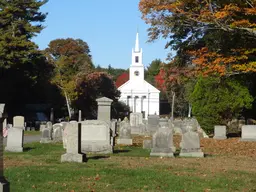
point(32, 133)
point(39, 169)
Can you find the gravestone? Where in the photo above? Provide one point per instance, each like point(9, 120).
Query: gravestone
point(16, 135)
point(248, 133)
point(47, 133)
point(125, 137)
point(190, 145)
point(42, 126)
point(64, 134)
point(177, 124)
point(118, 124)
point(220, 132)
point(136, 119)
point(18, 121)
point(15, 140)
point(4, 184)
point(153, 123)
point(73, 153)
point(147, 144)
point(104, 108)
point(162, 144)
point(96, 137)
point(57, 132)
point(137, 126)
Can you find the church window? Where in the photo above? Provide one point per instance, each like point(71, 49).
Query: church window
point(136, 59)
point(136, 73)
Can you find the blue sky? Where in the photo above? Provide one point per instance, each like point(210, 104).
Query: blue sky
point(108, 26)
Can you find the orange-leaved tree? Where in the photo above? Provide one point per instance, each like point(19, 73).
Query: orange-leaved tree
point(218, 37)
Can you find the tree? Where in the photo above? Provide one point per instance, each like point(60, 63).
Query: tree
point(215, 101)
point(152, 70)
point(92, 86)
point(213, 38)
point(19, 23)
point(219, 36)
point(70, 58)
point(123, 78)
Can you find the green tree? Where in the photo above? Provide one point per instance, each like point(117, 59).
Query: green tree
point(217, 100)
point(20, 21)
point(152, 71)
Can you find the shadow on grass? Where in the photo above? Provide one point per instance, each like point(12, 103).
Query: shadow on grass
point(208, 155)
point(121, 151)
point(26, 149)
point(86, 159)
point(233, 135)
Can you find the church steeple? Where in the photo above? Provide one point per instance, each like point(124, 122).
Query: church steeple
point(137, 67)
point(137, 45)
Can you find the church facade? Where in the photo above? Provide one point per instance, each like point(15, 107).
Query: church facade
point(137, 93)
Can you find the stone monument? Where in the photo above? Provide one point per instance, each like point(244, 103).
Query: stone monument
point(190, 145)
point(220, 132)
point(73, 147)
point(104, 108)
point(162, 144)
point(96, 137)
point(125, 136)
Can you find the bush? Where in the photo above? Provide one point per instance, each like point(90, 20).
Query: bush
point(216, 100)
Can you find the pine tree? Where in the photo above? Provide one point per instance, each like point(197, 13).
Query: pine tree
point(19, 23)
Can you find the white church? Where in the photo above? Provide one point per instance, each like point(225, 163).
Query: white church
point(137, 93)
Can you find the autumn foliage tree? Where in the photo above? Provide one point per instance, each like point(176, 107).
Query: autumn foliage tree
point(219, 36)
point(212, 38)
point(70, 58)
point(123, 78)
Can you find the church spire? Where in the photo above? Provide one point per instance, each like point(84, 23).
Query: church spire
point(137, 46)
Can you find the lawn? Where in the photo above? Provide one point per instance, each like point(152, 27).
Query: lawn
point(27, 133)
point(130, 169)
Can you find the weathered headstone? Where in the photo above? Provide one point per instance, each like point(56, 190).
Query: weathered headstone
point(136, 119)
point(15, 140)
point(4, 184)
point(190, 145)
point(136, 122)
point(64, 134)
point(18, 121)
point(220, 132)
point(177, 124)
point(104, 108)
point(147, 144)
point(73, 153)
point(96, 137)
point(248, 133)
point(16, 135)
point(47, 133)
point(162, 144)
point(42, 126)
point(125, 137)
point(57, 132)
point(153, 123)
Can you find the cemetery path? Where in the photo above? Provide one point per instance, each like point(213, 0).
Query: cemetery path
point(28, 139)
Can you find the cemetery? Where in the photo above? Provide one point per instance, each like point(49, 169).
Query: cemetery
point(93, 155)
point(178, 116)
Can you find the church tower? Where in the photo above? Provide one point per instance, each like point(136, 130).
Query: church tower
point(137, 67)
